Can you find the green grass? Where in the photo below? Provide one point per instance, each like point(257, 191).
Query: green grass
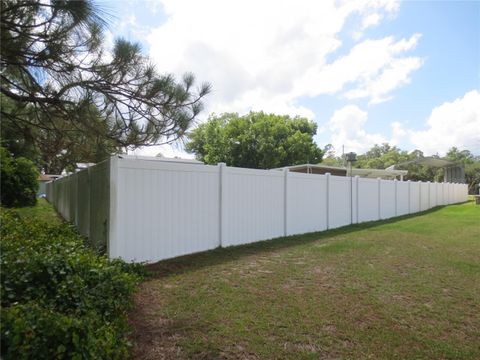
point(43, 211)
point(404, 288)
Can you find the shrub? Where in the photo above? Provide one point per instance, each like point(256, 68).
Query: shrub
point(19, 180)
point(59, 298)
point(34, 331)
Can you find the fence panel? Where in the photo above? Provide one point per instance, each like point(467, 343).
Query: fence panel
point(73, 195)
point(163, 210)
point(339, 202)
point(99, 180)
point(433, 195)
point(415, 198)
point(452, 193)
point(403, 198)
point(306, 203)
point(83, 203)
point(440, 194)
point(424, 193)
point(368, 200)
point(387, 199)
point(253, 205)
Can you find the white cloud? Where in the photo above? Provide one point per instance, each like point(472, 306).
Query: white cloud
point(378, 70)
point(347, 127)
point(266, 55)
point(168, 151)
point(399, 133)
point(371, 20)
point(455, 123)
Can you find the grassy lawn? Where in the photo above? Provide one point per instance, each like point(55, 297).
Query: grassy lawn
point(43, 211)
point(405, 288)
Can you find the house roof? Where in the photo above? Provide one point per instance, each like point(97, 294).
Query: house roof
point(376, 173)
point(164, 159)
point(369, 173)
point(48, 177)
point(429, 160)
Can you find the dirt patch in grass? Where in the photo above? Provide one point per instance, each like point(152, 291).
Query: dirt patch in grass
point(154, 337)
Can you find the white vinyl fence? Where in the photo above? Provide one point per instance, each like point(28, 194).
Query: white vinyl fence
point(149, 210)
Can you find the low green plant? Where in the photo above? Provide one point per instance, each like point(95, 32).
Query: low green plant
point(60, 299)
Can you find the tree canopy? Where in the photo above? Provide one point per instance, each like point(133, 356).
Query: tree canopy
point(256, 140)
point(385, 155)
point(57, 76)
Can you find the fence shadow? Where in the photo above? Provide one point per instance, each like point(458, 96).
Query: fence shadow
point(192, 262)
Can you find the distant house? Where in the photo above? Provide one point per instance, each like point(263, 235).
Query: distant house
point(454, 172)
point(342, 171)
point(42, 181)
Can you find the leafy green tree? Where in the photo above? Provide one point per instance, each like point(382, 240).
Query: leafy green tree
point(256, 140)
point(381, 157)
point(19, 180)
point(330, 158)
point(54, 66)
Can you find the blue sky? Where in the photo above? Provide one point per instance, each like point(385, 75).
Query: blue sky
point(407, 73)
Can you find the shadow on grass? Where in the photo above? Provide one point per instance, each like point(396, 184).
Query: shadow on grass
point(192, 262)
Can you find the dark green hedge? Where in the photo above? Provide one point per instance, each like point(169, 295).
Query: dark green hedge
point(60, 299)
point(19, 180)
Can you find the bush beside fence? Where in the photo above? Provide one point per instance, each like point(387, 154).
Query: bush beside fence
point(60, 300)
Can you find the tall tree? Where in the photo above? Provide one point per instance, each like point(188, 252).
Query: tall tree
point(55, 69)
point(256, 140)
point(381, 157)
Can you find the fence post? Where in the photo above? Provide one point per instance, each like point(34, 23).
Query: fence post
point(327, 198)
point(395, 182)
point(419, 196)
point(351, 200)
point(409, 192)
point(379, 182)
point(428, 193)
point(112, 222)
point(285, 202)
point(357, 179)
point(221, 174)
